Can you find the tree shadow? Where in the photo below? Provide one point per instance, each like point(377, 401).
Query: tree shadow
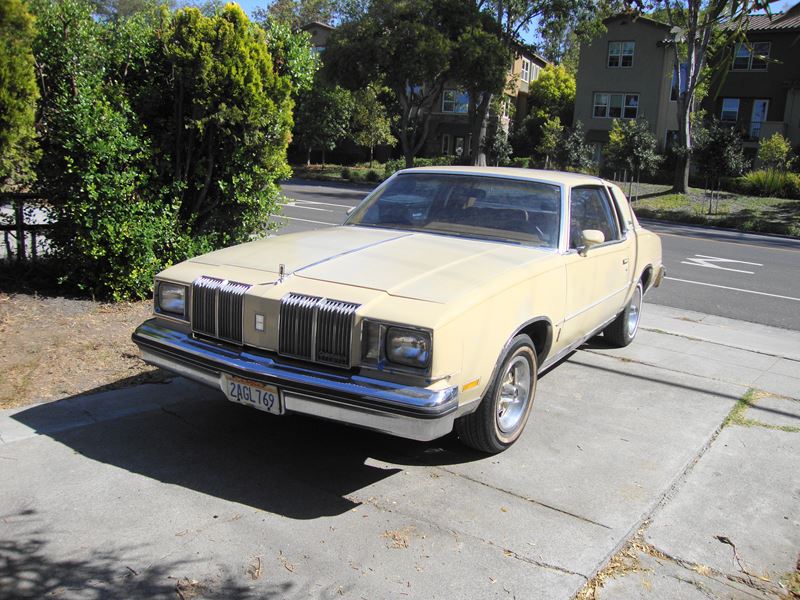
point(27, 571)
point(298, 467)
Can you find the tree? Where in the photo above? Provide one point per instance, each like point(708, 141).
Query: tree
point(775, 152)
point(222, 123)
point(163, 136)
point(553, 94)
point(574, 152)
point(371, 124)
point(296, 13)
point(550, 139)
point(110, 233)
point(322, 118)
point(480, 62)
point(18, 95)
point(695, 25)
point(291, 52)
point(402, 45)
point(718, 153)
point(632, 146)
point(516, 16)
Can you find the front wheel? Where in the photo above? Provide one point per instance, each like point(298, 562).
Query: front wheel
point(623, 329)
point(499, 420)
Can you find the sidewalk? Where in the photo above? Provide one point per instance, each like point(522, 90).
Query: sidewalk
point(730, 528)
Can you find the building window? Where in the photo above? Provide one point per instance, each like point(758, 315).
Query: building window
point(526, 70)
point(446, 144)
point(535, 70)
point(504, 107)
point(751, 57)
point(615, 106)
point(730, 109)
point(679, 82)
point(620, 54)
point(455, 101)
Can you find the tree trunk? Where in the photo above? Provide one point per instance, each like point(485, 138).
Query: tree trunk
point(308, 157)
point(479, 120)
point(371, 148)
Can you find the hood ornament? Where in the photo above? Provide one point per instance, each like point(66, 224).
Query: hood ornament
point(281, 273)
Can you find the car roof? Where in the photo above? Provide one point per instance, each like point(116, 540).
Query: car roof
point(542, 175)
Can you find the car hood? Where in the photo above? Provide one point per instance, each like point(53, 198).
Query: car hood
point(430, 267)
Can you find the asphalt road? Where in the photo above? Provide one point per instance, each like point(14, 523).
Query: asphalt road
point(741, 276)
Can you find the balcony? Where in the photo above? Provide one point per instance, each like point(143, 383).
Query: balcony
point(752, 131)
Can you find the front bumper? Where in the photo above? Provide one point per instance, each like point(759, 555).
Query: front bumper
point(410, 412)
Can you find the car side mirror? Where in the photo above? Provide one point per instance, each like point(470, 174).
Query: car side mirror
point(590, 237)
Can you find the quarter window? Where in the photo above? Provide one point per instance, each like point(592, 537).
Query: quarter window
point(615, 106)
point(455, 101)
point(620, 54)
point(751, 57)
point(730, 109)
point(590, 208)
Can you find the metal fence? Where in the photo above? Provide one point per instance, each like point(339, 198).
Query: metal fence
point(24, 226)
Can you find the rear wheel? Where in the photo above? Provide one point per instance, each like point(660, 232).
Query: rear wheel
point(499, 420)
point(623, 329)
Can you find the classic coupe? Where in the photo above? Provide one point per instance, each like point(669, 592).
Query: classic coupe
point(436, 305)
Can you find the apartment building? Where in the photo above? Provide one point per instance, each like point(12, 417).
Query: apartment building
point(628, 73)
point(760, 92)
point(449, 126)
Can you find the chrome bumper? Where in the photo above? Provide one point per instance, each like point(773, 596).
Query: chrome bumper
point(409, 412)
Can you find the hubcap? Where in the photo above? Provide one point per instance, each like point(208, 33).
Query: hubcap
point(513, 394)
point(634, 310)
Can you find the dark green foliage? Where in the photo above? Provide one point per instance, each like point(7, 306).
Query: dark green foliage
point(574, 152)
point(392, 166)
point(291, 52)
point(109, 234)
point(163, 136)
point(497, 146)
point(18, 95)
point(407, 46)
point(632, 146)
point(718, 152)
point(322, 118)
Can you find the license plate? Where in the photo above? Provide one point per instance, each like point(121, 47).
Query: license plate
point(252, 393)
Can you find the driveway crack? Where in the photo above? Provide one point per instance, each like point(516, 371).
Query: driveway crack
point(526, 499)
point(457, 533)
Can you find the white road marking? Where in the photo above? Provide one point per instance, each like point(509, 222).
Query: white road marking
point(324, 203)
point(701, 260)
point(293, 205)
point(308, 221)
point(725, 287)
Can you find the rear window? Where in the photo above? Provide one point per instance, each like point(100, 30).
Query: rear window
point(492, 208)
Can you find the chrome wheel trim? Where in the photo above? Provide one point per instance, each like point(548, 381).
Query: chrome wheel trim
point(634, 312)
point(513, 394)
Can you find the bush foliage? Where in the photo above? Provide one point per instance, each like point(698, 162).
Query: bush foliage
point(163, 135)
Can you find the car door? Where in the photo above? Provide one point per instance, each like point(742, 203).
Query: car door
point(599, 276)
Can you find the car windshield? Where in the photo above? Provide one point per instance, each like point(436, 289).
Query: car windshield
point(492, 208)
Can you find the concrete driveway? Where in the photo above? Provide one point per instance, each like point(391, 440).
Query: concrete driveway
point(169, 491)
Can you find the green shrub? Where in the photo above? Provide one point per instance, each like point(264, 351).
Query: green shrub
point(522, 162)
point(373, 176)
point(397, 164)
point(346, 173)
point(769, 182)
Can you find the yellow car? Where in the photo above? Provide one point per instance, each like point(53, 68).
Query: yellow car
point(435, 306)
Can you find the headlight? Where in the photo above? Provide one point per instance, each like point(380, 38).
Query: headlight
point(408, 347)
point(172, 298)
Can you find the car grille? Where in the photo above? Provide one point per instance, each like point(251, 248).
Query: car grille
point(317, 329)
point(217, 308)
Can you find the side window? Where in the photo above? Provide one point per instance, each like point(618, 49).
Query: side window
point(590, 208)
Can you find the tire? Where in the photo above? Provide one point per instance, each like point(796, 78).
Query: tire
point(503, 412)
point(623, 329)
